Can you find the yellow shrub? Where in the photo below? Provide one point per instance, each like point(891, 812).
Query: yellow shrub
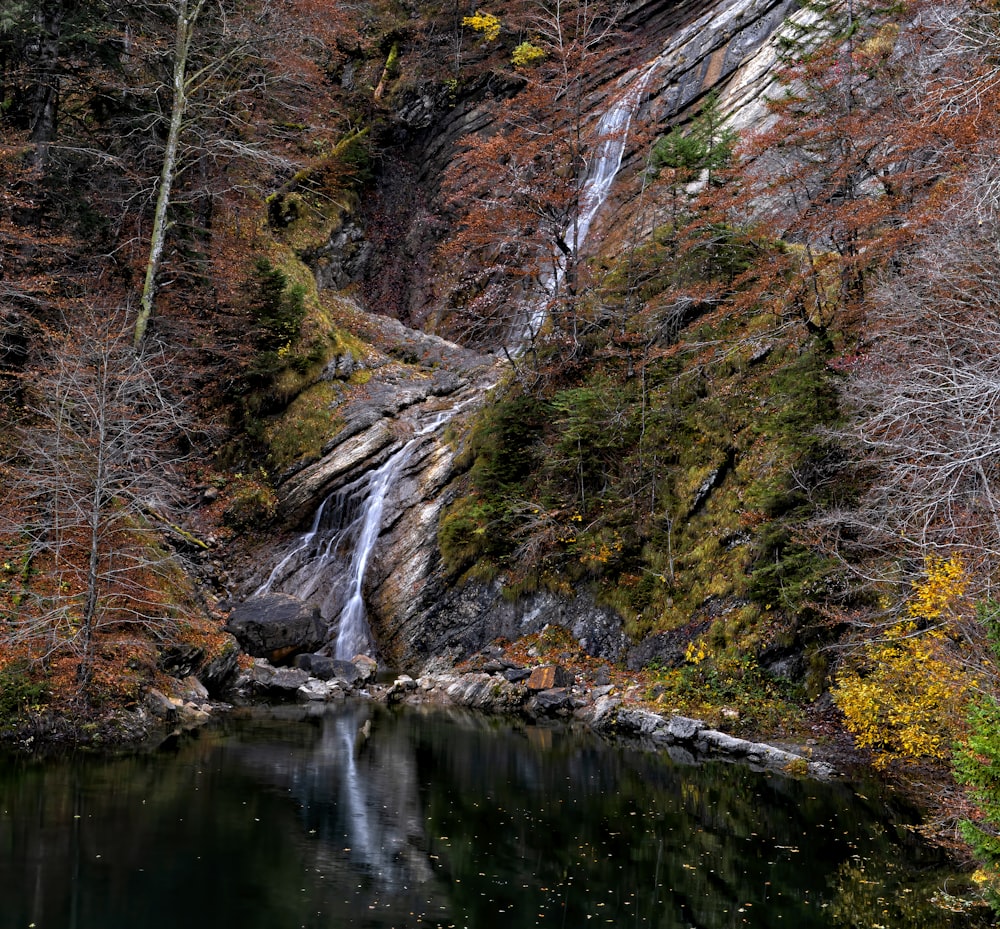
point(905, 695)
point(486, 23)
point(904, 700)
point(526, 54)
point(939, 594)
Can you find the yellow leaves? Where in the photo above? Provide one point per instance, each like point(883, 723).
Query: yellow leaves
point(938, 595)
point(905, 695)
point(485, 23)
point(696, 654)
point(526, 54)
point(905, 701)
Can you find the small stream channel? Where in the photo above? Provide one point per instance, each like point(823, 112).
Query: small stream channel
point(292, 817)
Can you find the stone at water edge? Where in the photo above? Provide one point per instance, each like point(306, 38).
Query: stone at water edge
point(557, 701)
point(549, 677)
point(264, 676)
point(315, 690)
point(403, 685)
point(326, 668)
point(277, 627)
point(218, 673)
point(366, 667)
point(160, 705)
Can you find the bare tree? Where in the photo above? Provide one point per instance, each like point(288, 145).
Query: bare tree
point(91, 472)
point(524, 196)
point(187, 12)
point(244, 95)
point(927, 392)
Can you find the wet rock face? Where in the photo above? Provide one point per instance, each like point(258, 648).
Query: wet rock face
point(697, 45)
point(413, 608)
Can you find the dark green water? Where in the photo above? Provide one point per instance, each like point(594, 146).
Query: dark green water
point(284, 820)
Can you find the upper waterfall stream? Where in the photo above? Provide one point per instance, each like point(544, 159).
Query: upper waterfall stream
point(611, 137)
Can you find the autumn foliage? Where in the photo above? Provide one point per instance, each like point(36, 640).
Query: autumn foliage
point(904, 695)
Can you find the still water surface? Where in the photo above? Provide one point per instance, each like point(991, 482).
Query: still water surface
point(283, 819)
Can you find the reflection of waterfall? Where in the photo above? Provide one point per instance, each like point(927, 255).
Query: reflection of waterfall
point(327, 564)
point(612, 134)
point(360, 799)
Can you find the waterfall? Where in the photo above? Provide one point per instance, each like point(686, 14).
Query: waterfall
point(612, 136)
point(327, 564)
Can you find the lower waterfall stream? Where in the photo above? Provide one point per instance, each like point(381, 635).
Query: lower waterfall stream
point(327, 564)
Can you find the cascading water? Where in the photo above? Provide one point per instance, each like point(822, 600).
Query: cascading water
point(327, 564)
point(612, 135)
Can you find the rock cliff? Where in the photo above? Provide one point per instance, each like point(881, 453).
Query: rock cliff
point(414, 610)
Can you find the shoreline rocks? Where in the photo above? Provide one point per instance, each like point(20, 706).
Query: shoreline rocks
point(601, 708)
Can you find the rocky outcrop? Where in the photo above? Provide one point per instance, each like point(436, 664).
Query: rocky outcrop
point(319, 682)
point(431, 377)
point(277, 627)
point(414, 608)
point(438, 619)
point(692, 47)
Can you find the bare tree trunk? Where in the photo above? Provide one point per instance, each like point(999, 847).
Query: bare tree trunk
point(44, 62)
point(100, 499)
point(187, 16)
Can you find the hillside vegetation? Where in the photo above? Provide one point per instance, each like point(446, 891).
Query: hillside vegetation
point(758, 418)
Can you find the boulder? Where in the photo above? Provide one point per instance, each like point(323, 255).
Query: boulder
point(366, 668)
point(684, 729)
point(403, 685)
point(277, 627)
point(557, 701)
point(314, 690)
point(327, 669)
point(485, 692)
point(219, 671)
point(602, 712)
point(278, 681)
point(160, 705)
point(548, 677)
point(639, 722)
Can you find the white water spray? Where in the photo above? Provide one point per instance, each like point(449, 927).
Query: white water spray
point(327, 564)
point(612, 135)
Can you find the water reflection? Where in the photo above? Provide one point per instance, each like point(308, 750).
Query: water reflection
point(290, 818)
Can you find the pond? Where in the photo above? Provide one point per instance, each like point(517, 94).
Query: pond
point(295, 817)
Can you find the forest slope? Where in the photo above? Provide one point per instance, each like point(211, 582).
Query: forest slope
point(755, 421)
